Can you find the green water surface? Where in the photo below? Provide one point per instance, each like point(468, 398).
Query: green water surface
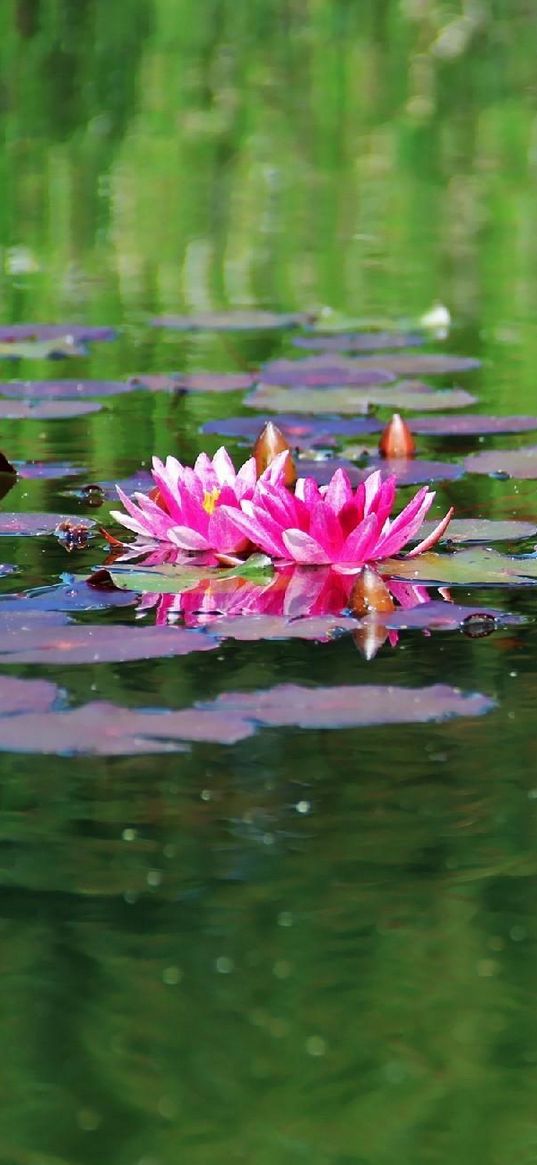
point(312, 947)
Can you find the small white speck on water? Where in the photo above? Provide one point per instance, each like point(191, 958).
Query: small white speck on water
point(224, 965)
point(88, 1120)
point(281, 969)
point(285, 918)
point(303, 806)
point(206, 794)
point(486, 968)
point(315, 1046)
point(154, 878)
point(518, 933)
point(171, 976)
point(130, 897)
point(129, 835)
point(513, 674)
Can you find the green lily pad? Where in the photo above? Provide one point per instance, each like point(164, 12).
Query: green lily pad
point(482, 530)
point(472, 567)
point(170, 579)
point(354, 400)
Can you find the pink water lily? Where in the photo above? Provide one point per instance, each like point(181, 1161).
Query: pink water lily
point(334, 524)
point(191, 507)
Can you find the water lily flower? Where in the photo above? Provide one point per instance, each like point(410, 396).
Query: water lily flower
point(334, 524)
point(190, 507)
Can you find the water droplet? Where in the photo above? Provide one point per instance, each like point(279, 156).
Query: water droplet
point(303, 806)
point(315, 1046)
point(223, 965)
point(129, 835)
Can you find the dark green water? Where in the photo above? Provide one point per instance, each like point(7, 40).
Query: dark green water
point(311, 947)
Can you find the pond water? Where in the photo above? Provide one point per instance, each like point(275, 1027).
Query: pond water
point(304, 943)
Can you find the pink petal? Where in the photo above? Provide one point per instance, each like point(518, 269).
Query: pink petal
point(224, 467)
point(304, 549)
point(246, 479)
point(223, 534)
point(274, 474)
point(433, 537)
point(187, 538)
point(338, 492)
point(361, 542)
point(259, 528)
point(325, 528)
point(372, 485)
point(307, 490)
point(303, 589)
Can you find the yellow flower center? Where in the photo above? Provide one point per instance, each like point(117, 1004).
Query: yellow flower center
point(210, 499)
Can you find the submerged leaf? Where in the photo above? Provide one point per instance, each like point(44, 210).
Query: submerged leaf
point(76, 644)
point(182, 382)
point(483, 530)
point(359, 341)
point(471, 425)
point(37, 390)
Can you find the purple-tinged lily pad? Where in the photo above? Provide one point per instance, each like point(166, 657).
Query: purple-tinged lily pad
point(406, 470)
point(69, 595)
point(180, 382)
point(359, 341)
point(98, 728)
point(420, 364)
point(519, 463)
point(30, 524)
point(250, 628)
point(322, 372)
point(24, 696)
point(46, 410)
point(437, 615)
point(302, 432)
point(97, 644)
point(482, 530)
point(14, 333)
point(351, 707)
point(353, 400)
point(478, 566)
point(471, 425)
point(47, 470)
point(234, 321)
point(40, 390)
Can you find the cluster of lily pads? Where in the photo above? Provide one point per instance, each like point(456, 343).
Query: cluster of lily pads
point(307, 539)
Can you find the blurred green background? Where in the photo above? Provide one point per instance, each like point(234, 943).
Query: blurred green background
point(314, 947)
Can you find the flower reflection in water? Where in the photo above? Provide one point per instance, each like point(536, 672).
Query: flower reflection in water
point(282, 603)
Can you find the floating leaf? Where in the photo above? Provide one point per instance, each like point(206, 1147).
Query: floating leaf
point(173, 580)
point(519, 463)
point(437, 615)
point(352, 400)
point(73, 594)
point(406, 472)
point(30, 524)
point(251, 628)
point(482, 530)
point(233, 321)
point(38, 390)
point(359, 341)
point(472, 567)
point(316, 371)
point(14, 333)
point(59, 349)
point(322, 372)
point(47, 470)
point(471, 425)
point(107, 729)
point(53, 410)
point(97, 644)
point(351, 707)
point(300, 431)
point(24, 696)
point(7, 568)
point(194, 382)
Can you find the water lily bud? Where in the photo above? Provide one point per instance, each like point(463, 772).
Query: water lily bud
point(396, 439)
point(369, 639)
point(370, 594)
point(270, 442)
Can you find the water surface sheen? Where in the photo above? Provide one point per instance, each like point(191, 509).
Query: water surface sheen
point(311, 946)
